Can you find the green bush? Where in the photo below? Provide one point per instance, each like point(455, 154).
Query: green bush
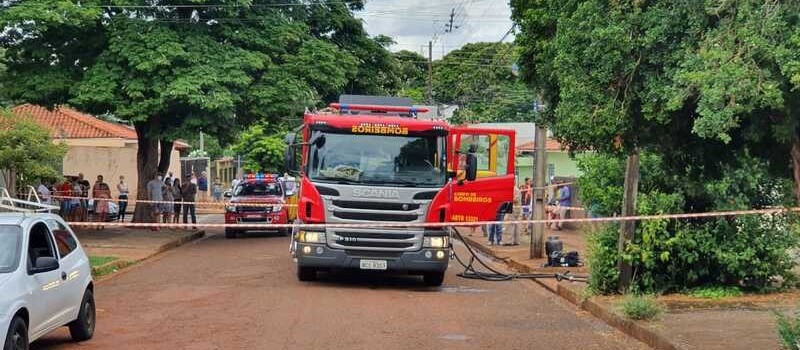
point(676, 255)
point(789, 330)
point(640, 307)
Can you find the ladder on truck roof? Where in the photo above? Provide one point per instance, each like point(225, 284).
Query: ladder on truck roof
point(31, 204)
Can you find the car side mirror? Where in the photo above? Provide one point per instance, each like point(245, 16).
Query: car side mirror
point(471, 167)
point(44, 264)
point(227, 194)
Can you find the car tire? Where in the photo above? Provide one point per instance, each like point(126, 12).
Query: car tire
point(306, 274)
point(230, 234)
point(17, 336)
point(83, 327)
point(284, 231)
point(433, 279)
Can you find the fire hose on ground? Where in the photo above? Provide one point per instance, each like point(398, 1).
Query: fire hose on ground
point(470, 272)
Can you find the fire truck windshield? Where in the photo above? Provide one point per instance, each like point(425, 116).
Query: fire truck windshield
point(377, 159)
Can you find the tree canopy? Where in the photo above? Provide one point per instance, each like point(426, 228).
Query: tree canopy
point(478, 78)
point(172, 68)
point(27, 153)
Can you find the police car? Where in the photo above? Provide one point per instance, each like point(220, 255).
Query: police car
point(259, 199)
point(45, 279)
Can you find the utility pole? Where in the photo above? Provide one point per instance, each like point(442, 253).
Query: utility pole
point(449, 24)
point(628, 228)
point(538, 205)
point(430, 72)
point(201, 142)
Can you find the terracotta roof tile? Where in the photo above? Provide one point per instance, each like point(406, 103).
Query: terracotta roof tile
point(68, 123)
point(550, 145)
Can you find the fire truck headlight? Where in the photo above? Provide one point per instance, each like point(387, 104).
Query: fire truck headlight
point(311, 237)
point(435, 242)
point(230, 208)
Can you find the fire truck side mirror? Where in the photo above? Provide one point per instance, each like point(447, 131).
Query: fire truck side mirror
point(290, 164)
point(471, 167)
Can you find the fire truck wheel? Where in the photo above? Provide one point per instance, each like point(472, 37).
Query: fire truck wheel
point(433, 279)
point(306, 274)
point(230, 234)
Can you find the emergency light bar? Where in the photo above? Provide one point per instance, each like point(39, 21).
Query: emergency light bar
point(378, 108)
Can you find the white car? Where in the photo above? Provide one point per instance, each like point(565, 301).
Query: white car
point(45, 280)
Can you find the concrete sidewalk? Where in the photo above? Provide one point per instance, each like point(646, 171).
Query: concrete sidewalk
point(746, 322)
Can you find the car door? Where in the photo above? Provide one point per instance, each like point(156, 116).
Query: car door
point(44, 287)
point(72, 262)
point(481, 199)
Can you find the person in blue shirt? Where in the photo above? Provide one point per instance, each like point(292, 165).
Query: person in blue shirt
point(564, 203)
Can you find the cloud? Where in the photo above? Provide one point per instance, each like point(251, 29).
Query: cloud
point(412, 23)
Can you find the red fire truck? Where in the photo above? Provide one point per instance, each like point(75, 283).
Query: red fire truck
point(372, 164)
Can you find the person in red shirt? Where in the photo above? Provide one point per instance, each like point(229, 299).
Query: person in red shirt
point(64, 189)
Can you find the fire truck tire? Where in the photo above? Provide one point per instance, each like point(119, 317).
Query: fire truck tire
point(230, 234)
point(433, 279)
point(306, 274)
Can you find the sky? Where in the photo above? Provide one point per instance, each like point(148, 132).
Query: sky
point(412, 23)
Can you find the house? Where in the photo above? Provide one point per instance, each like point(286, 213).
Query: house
point(95, 147)
point(559, 163)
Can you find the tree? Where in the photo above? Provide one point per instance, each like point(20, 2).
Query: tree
point(262, 148)
point(412, 72)
point(27, 153)
point(174, 68)
point(478, 78)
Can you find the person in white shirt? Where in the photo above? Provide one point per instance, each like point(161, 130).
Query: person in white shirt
point(44, 193)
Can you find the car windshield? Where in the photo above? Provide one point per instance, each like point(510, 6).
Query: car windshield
point(258, 189)
point(377, 159)
point(10, 238)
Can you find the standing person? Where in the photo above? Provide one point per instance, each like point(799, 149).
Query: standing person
point(496, 229)
point(170, 178)
point(168, 207)
point(155, 189)
point(189, 191)
point(216, 190)
point(122, 188)
point(177, 196)
point(515, 216)
point(75, 201)
point(64, 190)
point(84, 209)
point(44, 193)
point(564, 203)
point(202, 187)
point(101, 194)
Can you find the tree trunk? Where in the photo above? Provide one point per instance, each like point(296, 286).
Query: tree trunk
point(796, 167)
point(147, 169)
point(627, 229)
point(166, 154)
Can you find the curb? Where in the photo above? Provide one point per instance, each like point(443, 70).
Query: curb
point(633, 329)
point(121, 264)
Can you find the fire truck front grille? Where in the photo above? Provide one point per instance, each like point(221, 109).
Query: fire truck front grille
point(375, 235)
point(376, 205)
point(375, 216)
point(397, 245)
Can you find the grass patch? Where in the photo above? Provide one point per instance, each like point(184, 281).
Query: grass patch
point(789, 330)
point(640, 307)
point(106, 270)
point(716, 292)
point(95, 261)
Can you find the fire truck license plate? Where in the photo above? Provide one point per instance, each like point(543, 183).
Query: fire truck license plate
point(373, 264)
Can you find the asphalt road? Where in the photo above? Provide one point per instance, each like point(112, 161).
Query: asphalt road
point(243, 294)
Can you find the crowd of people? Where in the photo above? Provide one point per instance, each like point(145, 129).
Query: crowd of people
point(559, 201)
point(81, 201)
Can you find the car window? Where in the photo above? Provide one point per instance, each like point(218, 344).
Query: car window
point(10, 244)
point(65, 242)
point(40, 245)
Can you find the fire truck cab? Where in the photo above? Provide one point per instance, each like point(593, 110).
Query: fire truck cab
point(372, 165)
